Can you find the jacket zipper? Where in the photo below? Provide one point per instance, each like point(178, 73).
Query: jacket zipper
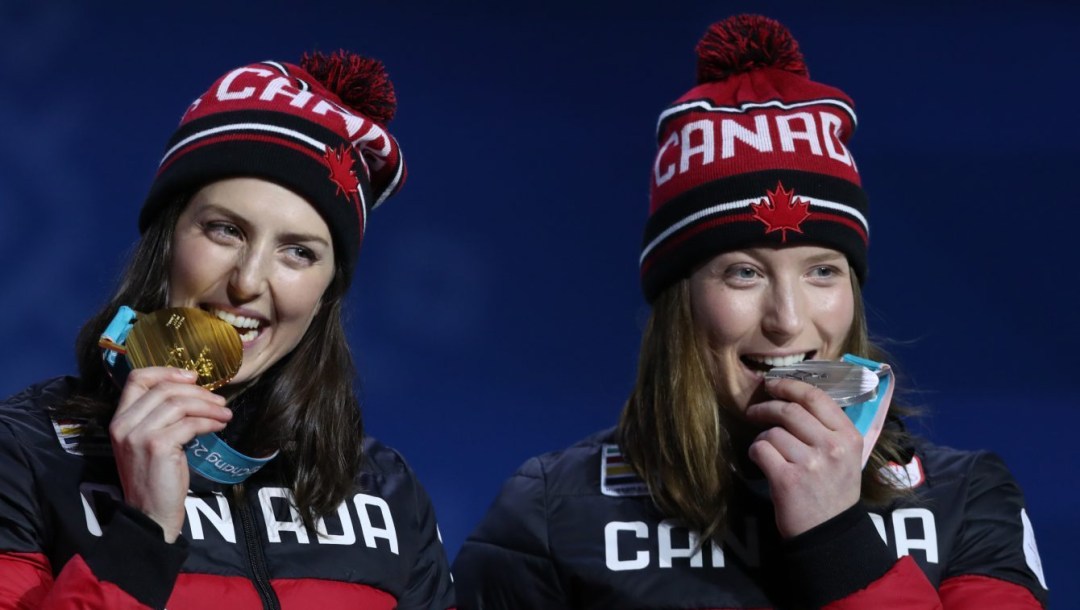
point(256, 558)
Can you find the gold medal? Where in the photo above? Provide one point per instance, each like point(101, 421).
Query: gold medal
point(186, 338)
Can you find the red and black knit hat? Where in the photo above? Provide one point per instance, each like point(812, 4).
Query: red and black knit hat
point(318, 129)
point(754, 155)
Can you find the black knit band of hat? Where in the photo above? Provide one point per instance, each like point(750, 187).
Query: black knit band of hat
point(732, 213)
point(284, 150)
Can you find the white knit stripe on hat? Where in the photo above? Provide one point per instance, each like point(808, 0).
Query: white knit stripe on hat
point(392, 187)
point(278, 66)
point(285, 72)
point(318, 146)
point(708, 106)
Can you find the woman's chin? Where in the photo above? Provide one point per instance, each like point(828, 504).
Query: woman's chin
point(237, 385)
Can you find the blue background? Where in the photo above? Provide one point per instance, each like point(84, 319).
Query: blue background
point(496, 312)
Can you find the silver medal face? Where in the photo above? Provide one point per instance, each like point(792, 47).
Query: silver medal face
point(846, 383)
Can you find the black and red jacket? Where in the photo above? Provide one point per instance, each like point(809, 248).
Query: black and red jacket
point(577, 529)
point(68, 541)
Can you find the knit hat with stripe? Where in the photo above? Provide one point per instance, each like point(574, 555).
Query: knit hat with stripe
point(318, 129)
point(754, 155)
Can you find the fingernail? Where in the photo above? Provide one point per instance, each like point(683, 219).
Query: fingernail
point(771, 381)
point(188, 374)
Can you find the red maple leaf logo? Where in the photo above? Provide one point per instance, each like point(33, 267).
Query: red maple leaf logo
point(781, 211)
point(340, 163)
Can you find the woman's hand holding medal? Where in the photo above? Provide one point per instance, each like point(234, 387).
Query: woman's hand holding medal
point(811, 455)
point(161, 409)
point(177, 356)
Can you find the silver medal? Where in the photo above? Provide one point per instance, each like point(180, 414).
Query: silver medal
point(846, 383)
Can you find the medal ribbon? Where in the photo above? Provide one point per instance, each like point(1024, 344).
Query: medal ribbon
point(869, 416)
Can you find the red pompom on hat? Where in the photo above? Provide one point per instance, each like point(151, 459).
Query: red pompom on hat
point(318, 129)
point(754, 155)
point(361, 82)
point(744, 43)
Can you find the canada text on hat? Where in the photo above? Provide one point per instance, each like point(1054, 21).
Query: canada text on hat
point(755, 154)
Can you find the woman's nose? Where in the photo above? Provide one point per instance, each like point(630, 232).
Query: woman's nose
point(784, 313)
point(249, 276)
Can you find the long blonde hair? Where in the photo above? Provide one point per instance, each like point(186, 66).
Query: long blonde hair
point(682, 442)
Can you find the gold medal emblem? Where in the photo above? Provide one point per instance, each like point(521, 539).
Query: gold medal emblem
point(186, 338)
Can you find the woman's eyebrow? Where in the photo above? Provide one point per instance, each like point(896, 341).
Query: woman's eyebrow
point(824, 257)
point(303, 237)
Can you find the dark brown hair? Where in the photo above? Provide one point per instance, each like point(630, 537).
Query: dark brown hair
point(683, 443)
point(305, 405)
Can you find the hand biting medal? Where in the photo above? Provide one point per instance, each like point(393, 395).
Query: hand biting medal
point(186, 338)
point(192, 339)
point(180, 337)
point(844, 382)
point(862, 387)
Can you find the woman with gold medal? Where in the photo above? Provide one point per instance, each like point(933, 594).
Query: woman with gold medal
point(211, 453)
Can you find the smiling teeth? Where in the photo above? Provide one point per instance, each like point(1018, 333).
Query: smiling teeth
point(249, 336)
point(237, 321)
point(779, 360)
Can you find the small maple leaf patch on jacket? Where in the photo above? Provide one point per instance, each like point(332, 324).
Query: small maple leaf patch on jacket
point(782, 211)
point(340, 164)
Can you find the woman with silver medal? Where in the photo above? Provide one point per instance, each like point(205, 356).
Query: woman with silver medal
point(757, 462)
point(211, 453)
